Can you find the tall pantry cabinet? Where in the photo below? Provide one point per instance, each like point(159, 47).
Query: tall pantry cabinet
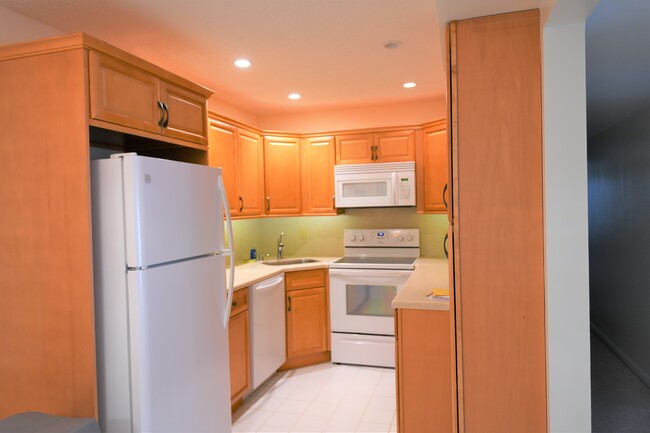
point(55, 102)
point(498, 298)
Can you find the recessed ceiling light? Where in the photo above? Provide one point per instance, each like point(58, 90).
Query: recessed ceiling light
point(409, 85)
point(391, 45)
point(242, 63)
point(295, 96)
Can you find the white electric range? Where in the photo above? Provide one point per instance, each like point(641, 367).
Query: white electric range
point(363, 284)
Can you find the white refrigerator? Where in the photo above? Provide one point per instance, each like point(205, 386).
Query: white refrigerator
point(161, 301)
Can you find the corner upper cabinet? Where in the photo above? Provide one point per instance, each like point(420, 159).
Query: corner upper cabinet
point(282, 178)
point(318, 158)
point(240, 154)
point(124, 95)
point(432, 169)
point(391, 146)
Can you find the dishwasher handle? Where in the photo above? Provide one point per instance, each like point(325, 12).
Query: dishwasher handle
point(268, 285)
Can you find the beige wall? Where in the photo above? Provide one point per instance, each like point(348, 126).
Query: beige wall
point(15, 27)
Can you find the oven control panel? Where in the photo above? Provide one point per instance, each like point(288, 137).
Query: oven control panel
point(397, 238)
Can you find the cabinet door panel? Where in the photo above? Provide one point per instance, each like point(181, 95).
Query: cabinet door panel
point(122, 94)
point(222, 152)
point(354, 149)
point(282, 175)
point(187, 113)
point(306, 322)
point(250, 178)
point(435, 170)
point(318, 158)
point(238, 342)
point(396, 146)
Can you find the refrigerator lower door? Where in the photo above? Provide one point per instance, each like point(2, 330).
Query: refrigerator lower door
point(180, 379)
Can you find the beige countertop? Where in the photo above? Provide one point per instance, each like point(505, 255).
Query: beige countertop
point(251, 273)
point(428, 274)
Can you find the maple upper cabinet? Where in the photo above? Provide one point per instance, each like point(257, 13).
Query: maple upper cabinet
point(239, 347)
point(318, 159)
point(498, 223)
point(432, 166)
point(307, 313)
point(392, 146)
point(282, 178)
point(240, 154)
point(125, 95)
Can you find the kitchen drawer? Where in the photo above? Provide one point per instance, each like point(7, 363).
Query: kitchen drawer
point(239, 301)
point(305, 279)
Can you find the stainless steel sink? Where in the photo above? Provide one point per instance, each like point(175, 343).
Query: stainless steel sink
point(282, 262)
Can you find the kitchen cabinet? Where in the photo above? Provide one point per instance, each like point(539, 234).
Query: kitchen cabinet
point(498, 295)
point(431, 167)
point(318, 159)
point(239, 347)
point(423, 371)
point(125, 95)
point(282, 177)
point(390, 146)
point(240, 154)
point(307, 313)
point(47, 342)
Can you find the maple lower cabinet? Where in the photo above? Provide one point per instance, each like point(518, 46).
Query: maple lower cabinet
point(282, 178)
point(318, 159)
point(48, 348)
point(239, 347)
point(125, 95)
point(240, 154)
point(423, 371)
point(432, 167)
point(307, 312)
point(498, 223)
point(390, 146)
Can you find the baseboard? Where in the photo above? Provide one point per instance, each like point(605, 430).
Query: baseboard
point(638, 371)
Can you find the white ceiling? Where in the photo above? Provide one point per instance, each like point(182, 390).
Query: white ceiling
point(332, 51)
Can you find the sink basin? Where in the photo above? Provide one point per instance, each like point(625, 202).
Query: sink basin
point(282, 262)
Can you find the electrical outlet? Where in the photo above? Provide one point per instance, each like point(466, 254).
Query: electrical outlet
point(302, 233)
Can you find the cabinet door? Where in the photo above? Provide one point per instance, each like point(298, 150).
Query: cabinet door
point(354, 149)
point(282, 175)
point(187, 113)
point(435, 170)
point(238, 344)
point(250, 173)
point(122, 94)
point(222, 152)
point(318, 159)
point(423, 370)
point(306, 321)
point(395, 146)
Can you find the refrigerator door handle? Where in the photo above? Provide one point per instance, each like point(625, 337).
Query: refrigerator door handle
point(228, 252)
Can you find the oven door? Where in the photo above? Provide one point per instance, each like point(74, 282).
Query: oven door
point(360, 299)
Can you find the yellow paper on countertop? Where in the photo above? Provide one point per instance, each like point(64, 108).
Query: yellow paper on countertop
point(440, 292)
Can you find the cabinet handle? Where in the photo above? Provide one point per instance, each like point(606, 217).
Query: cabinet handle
point(234, 303)
point(166, 123)
point(161, 106)
point(268, 203)
point(333, 202)
point(241, 204)
point(289, 303)
point(444, 200)
point(373, 154)
point(444, 245)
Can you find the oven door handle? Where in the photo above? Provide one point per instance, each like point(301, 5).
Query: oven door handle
point(369, 273)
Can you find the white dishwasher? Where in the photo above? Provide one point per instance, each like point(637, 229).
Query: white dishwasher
point(268, 335)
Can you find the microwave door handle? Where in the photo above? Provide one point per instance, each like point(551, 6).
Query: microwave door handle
point(395, 179)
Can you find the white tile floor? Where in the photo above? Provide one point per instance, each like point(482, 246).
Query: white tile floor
point(322, 398)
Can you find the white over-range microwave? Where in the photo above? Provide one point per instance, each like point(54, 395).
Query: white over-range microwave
point(375, 185)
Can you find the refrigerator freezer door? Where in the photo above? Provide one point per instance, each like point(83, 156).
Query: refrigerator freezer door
point(172, 210)
point(180, 379)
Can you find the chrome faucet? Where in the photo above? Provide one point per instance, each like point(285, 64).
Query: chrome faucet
point(280, 246)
